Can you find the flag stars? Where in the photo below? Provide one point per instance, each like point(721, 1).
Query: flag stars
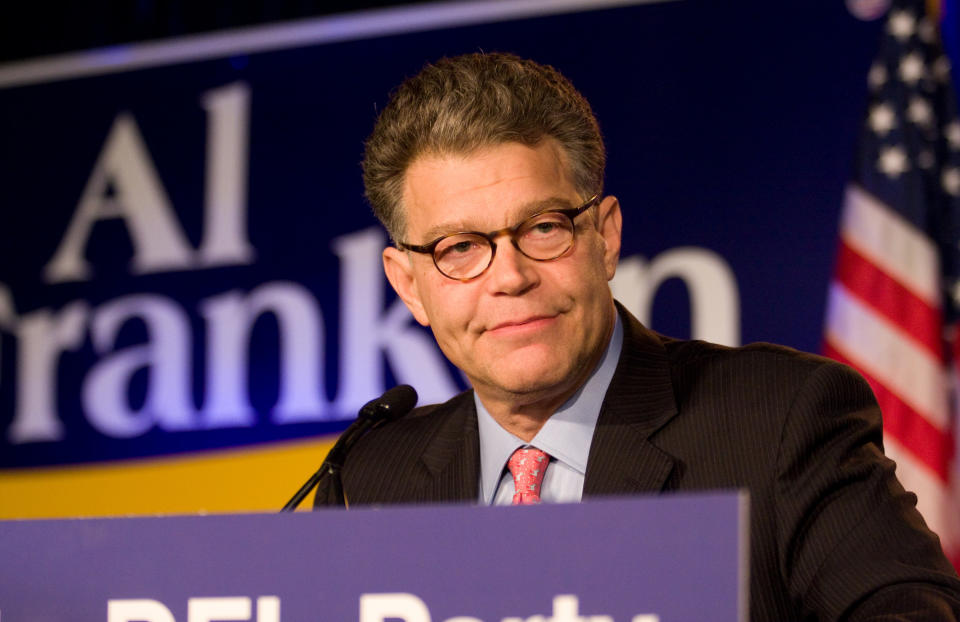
point(877, 76)
point(882, 119)
point(952, 134)
point(919, 111)
point(955, 294)
point(902, 24)
point(941, 69)
point(893, 162)
point(927, 31)
point(951, 181)
point(911, 68)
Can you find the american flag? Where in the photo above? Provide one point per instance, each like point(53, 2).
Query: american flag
point(893, 304)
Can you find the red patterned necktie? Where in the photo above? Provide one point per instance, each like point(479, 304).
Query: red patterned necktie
point(527, 466)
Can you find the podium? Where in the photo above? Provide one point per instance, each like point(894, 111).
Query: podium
point(656, 559)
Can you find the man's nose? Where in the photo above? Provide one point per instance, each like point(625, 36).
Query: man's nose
point(511, 272)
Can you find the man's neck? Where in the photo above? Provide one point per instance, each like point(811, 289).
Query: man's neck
point(523, 415)
point(524, 420)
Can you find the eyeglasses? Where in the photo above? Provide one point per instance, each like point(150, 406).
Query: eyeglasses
point(466, 255)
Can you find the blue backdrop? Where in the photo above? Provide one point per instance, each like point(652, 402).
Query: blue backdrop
point(187, 262)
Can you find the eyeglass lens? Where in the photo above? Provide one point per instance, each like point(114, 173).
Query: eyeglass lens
point(466, 255)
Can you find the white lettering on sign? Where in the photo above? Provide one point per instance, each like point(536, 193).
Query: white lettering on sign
point(7, 317)
point(225, 240)
point(222, 608)
point(138, 610)
point(205, 609)
point(382, 607)
point(712, 286)
point(229, 320)
point(369, 333)
point(43, 336)
point(138, 198)
point(165, 356)
point(410, 608)
point(125, 184)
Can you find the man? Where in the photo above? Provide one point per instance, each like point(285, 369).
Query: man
point(509, 152)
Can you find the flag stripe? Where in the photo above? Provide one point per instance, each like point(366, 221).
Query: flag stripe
point(876, 288)
point(882, 350)
point(930, 446)
point(891, 243)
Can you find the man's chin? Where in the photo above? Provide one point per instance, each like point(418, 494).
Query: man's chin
point(530, 380)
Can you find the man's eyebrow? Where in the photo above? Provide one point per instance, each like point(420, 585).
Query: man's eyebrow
point(520, 214)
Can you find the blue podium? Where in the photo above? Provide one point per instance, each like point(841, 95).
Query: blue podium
point(657, 559)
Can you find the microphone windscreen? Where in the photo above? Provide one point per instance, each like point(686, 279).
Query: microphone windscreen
point(398, 401)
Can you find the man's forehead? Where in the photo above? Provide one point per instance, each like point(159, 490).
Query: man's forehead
point(491, 220)
point(485, 189)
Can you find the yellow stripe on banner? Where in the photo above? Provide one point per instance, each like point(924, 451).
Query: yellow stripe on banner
point(229, 480)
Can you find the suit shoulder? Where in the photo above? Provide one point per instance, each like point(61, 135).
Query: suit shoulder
point(765, 366)
point(683, 352)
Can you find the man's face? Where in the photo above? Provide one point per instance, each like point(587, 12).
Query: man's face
point(524, 328)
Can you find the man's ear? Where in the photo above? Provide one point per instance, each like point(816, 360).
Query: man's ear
point(610, 225)
point(399, 271)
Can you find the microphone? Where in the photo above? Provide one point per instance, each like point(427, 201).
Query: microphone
point(393, 404)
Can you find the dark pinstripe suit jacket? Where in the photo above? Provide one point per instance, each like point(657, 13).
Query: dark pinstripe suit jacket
point(833, 534)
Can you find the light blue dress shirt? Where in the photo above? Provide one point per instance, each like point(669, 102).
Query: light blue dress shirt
point(566, 436)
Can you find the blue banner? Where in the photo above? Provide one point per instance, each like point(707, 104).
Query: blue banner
point(190, 279)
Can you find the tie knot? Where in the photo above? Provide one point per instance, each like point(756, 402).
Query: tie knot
point(527, 465)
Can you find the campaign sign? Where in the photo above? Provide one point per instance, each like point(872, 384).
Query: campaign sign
point(192, 297)
point(652, 559)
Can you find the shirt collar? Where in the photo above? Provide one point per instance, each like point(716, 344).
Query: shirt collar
point(566, 435)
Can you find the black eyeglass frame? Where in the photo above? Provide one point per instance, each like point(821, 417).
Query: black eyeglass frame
point(569, 212)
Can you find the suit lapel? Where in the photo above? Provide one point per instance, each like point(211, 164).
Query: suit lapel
point(452, 457)
point(639, 401)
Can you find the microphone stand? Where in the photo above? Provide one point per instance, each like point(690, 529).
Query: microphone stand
point(393, 404)
point(331, 466)
point(336, 487)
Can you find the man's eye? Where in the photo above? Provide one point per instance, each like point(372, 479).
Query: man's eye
point(545, 227)
point(452, 249)
point(461, 247)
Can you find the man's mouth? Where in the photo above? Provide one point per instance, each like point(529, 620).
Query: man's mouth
point(518, 326)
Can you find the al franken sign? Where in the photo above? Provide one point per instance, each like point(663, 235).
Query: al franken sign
point(125, 186)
